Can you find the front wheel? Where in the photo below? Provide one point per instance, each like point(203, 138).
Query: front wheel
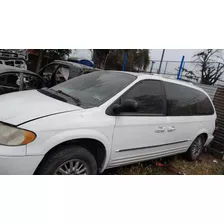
point(195, 149)
point(69, 160)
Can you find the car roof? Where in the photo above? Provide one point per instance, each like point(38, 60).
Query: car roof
point(7, 68)
point(74, 64)
point(152, 76)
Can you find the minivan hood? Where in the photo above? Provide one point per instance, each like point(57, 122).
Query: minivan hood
point(19, 107)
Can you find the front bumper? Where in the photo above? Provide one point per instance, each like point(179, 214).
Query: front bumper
point(13, 160)
point(19, 165)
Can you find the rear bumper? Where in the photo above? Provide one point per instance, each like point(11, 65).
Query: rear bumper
point(210, 138)
point(24, 165)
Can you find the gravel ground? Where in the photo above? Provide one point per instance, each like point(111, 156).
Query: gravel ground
point(175, 165)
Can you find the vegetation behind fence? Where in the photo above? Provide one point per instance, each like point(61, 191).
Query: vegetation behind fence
point(170, 69)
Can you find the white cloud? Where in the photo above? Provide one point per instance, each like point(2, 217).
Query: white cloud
point(170, 54)
point(82, 53)
point(173, 54)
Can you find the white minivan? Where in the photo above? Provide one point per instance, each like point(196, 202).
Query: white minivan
point(102, 120)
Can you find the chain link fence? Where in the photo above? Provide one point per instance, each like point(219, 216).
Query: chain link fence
point(170, 69)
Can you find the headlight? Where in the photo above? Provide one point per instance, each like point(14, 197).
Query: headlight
point(13, 136)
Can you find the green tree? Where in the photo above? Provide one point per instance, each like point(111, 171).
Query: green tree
point(52, 53)
point(100, 56)
point(112, 59)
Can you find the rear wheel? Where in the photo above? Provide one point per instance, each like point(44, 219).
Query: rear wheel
point(68, 160)
point(196, 148)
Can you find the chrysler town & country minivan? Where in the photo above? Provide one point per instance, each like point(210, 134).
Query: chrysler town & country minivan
point(102, 120)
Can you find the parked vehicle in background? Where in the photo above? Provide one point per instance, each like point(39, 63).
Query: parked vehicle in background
point(51, 75)
point(14, 79)
point(60, 71)
point(102, 120)
point(13, 58)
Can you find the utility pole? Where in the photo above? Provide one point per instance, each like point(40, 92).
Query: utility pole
point(161, 61)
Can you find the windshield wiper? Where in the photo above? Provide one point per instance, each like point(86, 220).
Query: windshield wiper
point(50, 94)
point(77, 100)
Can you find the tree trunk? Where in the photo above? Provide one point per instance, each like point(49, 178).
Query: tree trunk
point(99, 57)
point(40, 60)
point(105, 61)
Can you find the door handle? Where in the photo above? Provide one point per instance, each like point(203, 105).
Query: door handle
point(170, 129)
point(160, 129)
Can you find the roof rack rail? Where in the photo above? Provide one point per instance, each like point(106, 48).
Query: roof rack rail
point(172, 77)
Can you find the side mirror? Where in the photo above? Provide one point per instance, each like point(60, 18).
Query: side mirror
point(127, 106)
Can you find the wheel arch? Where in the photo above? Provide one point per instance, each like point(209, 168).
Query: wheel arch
point(95, 142)
point(204, 133)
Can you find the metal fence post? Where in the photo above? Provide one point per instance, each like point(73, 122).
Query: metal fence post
point(165, 67)
point(125, 59)
point(182, 68)
point(181, 65)
point(161, 61)
point(152, 66)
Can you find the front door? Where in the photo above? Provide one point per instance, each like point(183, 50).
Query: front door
point(141, 135)
point(30, 81)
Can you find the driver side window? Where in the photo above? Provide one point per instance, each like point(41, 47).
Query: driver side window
point(149, 96)
point(49, 69)
point(12, 80)
point(2, 79)
point(62, 74)
point(31, 82)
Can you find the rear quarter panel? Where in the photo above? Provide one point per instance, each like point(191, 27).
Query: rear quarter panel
point(189, 127)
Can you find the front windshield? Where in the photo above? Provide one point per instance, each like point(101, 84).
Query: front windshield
point(95, 88)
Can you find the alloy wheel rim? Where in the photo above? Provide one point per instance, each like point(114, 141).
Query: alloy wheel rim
point(197, 145)
point(72, 167)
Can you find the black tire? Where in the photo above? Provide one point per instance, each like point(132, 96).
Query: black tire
point(64, 154)
point(196, 148)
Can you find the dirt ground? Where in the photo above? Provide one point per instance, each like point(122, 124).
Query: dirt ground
point(175, 165)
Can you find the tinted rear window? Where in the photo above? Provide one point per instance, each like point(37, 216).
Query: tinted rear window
point(186, 101)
